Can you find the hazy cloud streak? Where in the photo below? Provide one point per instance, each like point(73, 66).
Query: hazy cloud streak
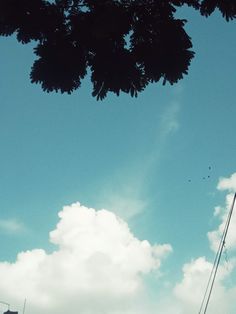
point(12, 226)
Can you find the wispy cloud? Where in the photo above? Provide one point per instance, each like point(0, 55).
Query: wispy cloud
point(126, 196)
point(125, 192)
point(12, 226)
point(169, 123)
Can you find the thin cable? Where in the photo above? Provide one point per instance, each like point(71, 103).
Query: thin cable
point(209, 281)
point(218, 262)
point(219, 253)
point(23, 312)
point(215, 262)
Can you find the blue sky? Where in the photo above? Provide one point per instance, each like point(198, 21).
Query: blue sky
point(132, 157)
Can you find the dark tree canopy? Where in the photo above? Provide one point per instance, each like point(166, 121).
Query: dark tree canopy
point(126, 44)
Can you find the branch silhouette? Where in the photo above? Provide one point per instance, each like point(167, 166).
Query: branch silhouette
point(126, 44)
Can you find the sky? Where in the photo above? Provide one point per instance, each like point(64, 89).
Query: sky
point(106, 206)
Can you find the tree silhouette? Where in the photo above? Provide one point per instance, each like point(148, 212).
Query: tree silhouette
point(126, 44)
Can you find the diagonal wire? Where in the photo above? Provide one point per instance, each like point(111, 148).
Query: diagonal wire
point(212, 270)
point(212, 277)
point(220, 253)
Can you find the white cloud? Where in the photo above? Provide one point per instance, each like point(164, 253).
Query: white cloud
point(186, 295)
point(98, 267)
point(228, 184)
point(189, 292)
point(11, 226)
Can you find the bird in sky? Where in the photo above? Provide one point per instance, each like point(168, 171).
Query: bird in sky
point(205, 177)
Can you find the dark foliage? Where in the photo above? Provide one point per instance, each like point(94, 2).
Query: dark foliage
point(126, 44)
point(226, 7)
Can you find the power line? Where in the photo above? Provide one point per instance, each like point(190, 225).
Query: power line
point(23, 312)
point(211, 280)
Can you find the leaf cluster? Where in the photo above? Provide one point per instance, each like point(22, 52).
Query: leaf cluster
point(126, 44)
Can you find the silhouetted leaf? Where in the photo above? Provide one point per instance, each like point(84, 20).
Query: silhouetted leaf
point(226, 7)
point(61, 66)
point(126, 43)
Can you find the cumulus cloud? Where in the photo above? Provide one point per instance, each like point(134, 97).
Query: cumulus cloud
point(188, 293)
point(98, 266)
